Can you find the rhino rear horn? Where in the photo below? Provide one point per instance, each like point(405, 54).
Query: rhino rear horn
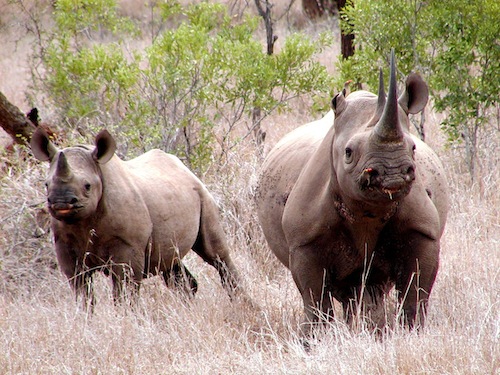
point(388, 128)
point(41, 146)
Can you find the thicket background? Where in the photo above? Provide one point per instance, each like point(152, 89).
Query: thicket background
point(42, 330)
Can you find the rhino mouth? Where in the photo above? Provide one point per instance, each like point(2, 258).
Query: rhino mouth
point(392, 193)
point(386, 188)
point(64, 210)
point(386, 193)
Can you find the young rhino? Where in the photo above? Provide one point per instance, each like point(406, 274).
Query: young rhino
point(353, 204)
point(129, 218)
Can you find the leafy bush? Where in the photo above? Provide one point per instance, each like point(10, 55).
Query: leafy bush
point(380, 26)
point(193, 90)
point(454, 44)
point(466, 69)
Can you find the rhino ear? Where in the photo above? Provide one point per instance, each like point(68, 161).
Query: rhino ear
point(41, 146)
point(416, 94)
point(105, 147)
point(338, 103)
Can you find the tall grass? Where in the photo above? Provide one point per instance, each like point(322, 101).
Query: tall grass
point(43, 330)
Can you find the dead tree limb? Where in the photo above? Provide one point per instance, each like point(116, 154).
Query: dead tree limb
point(259, 134)
point(266, 15)
point(14, 122)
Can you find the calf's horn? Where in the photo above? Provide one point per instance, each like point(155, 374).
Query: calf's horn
point(63, 170)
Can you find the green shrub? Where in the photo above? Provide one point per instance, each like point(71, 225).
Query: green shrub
point(192, 91)
point(454, 44)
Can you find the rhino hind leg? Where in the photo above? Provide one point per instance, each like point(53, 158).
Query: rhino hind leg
point(180, 278)
point(211, 246)
point(222, 263)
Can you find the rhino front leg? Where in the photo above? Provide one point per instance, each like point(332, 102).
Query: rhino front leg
point(124, 285)
point(83, 286)
point(311, 277)
point(416, 279)
point(79, 276)
point(126, 268)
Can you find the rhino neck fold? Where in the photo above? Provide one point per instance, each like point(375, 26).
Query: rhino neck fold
point(355, 213)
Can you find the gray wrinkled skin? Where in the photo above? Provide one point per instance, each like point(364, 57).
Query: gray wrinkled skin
point(356, 191)
point(129, 219)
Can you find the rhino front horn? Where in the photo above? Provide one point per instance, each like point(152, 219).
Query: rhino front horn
point(63, 170)
point(388, 128)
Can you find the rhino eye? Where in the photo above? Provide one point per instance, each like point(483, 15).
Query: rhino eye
point(87, 187)
point(348, 155)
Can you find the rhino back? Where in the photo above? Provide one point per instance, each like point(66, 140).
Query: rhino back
point(171, 194)
point(430, 172)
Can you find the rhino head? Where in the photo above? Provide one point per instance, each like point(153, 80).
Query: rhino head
point(373, 153)
point(74, 184)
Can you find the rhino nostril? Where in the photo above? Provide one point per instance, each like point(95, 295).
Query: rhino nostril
point(410, 173)
point(372, 172)
point(73, 201)
point(369, 174)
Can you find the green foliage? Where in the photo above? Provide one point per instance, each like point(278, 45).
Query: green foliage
point(453, 43)
point(466, 69)
point(193, 90)
point(90, 81)
point(82, 17)
point(380, 26)
point(84, 79)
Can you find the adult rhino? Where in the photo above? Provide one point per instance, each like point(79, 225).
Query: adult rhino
point(353, 204)
point(129, 218)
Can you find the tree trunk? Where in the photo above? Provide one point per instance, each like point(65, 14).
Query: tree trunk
point(346, 40)
point(268, 21)
point(15, 122)
point(259, 134)
point(317, 8)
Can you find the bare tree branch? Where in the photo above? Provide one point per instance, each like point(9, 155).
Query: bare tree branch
point(15, 122)
point(266, 15)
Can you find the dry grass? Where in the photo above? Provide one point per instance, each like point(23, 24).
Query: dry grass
point(43, 330)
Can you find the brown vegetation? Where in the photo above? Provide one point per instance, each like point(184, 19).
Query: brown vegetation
point(43, 331)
